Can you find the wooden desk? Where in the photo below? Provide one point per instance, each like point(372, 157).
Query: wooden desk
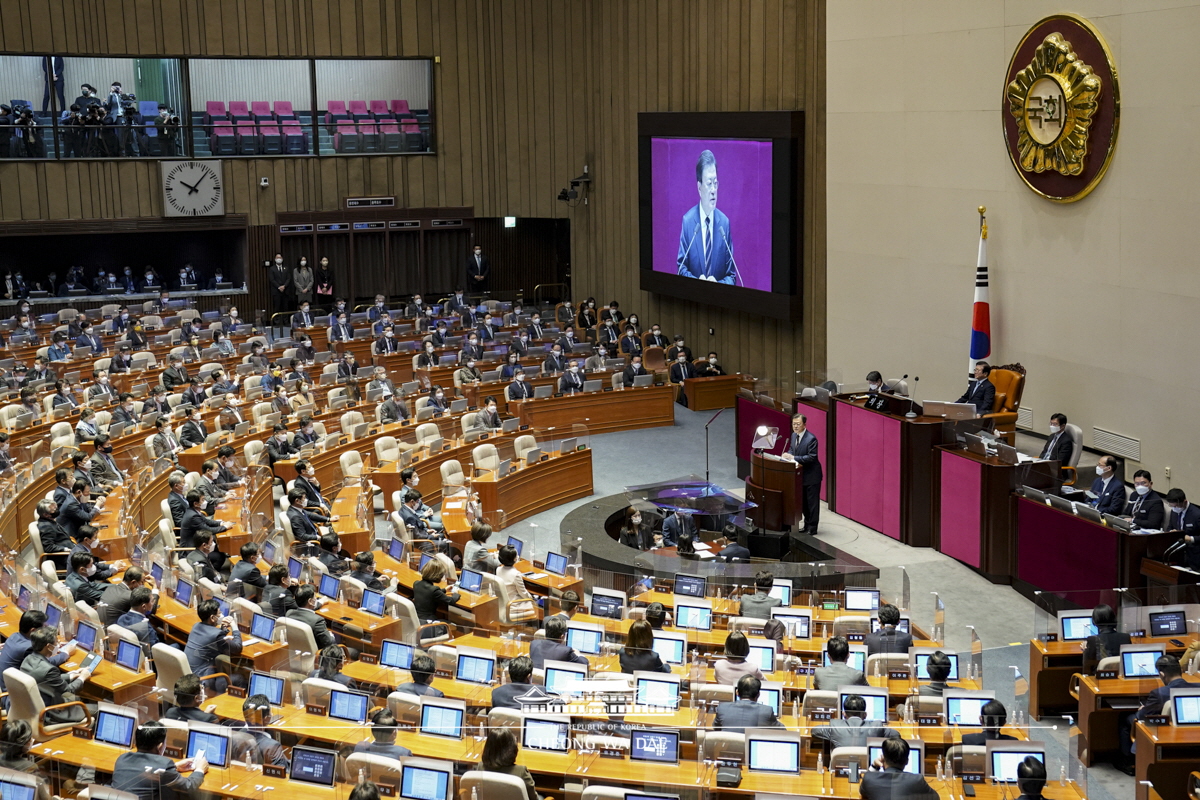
point(1166, 757)
point(111, 681)
point(485, 609)
point(709, 394)
point(529, 490)
point(602, 412)
point(1098, 718)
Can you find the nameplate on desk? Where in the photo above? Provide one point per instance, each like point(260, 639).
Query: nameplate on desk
point(81, 734)
point(367, 658)
point(173, 752)
point(898, 675)
point(1106, 674)
point(806, 670)
point(524, 427)
point(235, 691)
point(929, 719)
point(1156, 719)
point(313, 708)
point(611, 752)
point(483, 436)
point(820, 715)
point(876, 402)
point(1049, 637)
point(608, 388)
point(1137, 634)
point(385, 790)
point(830, 606)
point(558, 394)
point(971, 777)
point(856, 637)
point(275, 771)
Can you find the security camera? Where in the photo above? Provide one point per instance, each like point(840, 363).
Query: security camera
point(263, 182)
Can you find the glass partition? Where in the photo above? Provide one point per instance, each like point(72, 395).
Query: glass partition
point(381, 106)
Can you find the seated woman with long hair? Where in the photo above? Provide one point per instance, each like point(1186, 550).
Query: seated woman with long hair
point(500, 755)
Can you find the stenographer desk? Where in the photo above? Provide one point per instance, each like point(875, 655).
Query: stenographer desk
point(1166, 757)
point(717, 391)
point(1101, 703)
point(531, 489)
point(881, 466)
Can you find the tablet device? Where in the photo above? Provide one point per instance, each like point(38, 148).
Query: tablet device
point(556, 564)
point(560, 675)
point(690, 585)
point(607, 603)
point(211, 740)
point(419, 781)
point(348, 706)
point(553, 735)
point(114, 728)
point(396, 549)
point(799, 623)
point(329, 586)
point(262, 627)
point(585, 639)
point(922, 663)
point(396, 655)
point(129, 655)
point(268, 685)
point(310, 765)
point(656, 689)
point(372, 602)
point(442, 717)
point(475, 666)
point(1077, 626)
point(1002, 762)
point(1162, 623)
point(659, 746)
point(85, 636)
point(1185, 707)
point(470, 581)
point(1137, 661)
point(295, 568)
point(916, 754)
point(766, 753)
point(671, 648)
point(517, 543)
point(862, 599)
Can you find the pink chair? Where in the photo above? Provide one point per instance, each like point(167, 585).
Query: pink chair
point(214, 111)
point(358, 110)
point(283, 110)
point(223, 142)
point(347, 139)
point(239, 110)
point(414, 141)
point(295, 138)
point(400, 107)
point(393, 139)
point(380, 109)
point(247, 137)
point(270, 139)
point(336, 113)
point(261, 110)
point(371, 140)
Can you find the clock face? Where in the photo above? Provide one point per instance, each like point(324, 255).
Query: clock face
point(192, 189)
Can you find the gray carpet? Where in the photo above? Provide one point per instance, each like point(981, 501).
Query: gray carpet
point(1003, 620)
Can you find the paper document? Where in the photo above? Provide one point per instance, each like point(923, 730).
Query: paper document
point(534, 576)
point(701, 545)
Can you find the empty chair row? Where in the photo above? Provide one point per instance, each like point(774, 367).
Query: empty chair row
point(239, 110)
point(391, 137)
point(251, 138)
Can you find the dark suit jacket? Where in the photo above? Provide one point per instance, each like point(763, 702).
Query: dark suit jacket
point(981, 739)
point(570, 382)
point(804, 451)
point(505, 696)
point(641, 661)
point(303, 528)
point(518, 390)
point(680, 372)
point(280, 599)
point(427, 597)
point(742, 714)
point(676, 525)
point(1148, 511)
point(482, 268)
point(1157, 700)
point(888, 640)
point(1059, 448)
point(690, 260)
point(193, 522)
point(982, 394)
point(316, 622)
point(72, 515)
point(1190, 526)
point(153, 777)
point(553, 364)
point(1112, 499)
point(543, 650)
point(852, 732)
point(892, 784)
point(630, 373)
point(53, 684)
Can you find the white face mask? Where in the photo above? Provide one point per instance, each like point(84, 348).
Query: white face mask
point(874, 387)
point(439, 395)
point(470, 365)
point(491, 409)
point(428, 348)
point(1099, 470)
point(574, 369)
point(1054, 429)
point(1142, 488)
point(637, 519)
point(520, 377)
point(90, 571)
point(279, 261)
point(712, 361)
point(416, 479)
point(390, 334)
point(679, 344)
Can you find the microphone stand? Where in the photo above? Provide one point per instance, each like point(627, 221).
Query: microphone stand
point(736, 272)
point(912, 414)
point(683, 259)
point(706, 455)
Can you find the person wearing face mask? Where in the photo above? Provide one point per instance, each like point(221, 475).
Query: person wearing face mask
point(89, 539)
point(104, 469)
point(306, 353)
point(122, 361)
point(571, 380)
point(586, 320)
point(189, 695)
point(6, 459)
point(324, 281)
point(303, 395)
point(59, 349)
point(681, 370)
point(630, 343)
point(875, 383)
point(211, 637)
point(200, 557)
point(655, 338)
point(512, 363)
point(339, 306)
point(467, 374)
point(429, 358)
point(487, 331)
point(439, 335)
point(437, 399)
point(489, 417)
point(230, 416)
point(634, 533)
point(519, 389)
point(342, 332)
point(280, 404)
point(632, 322)
point(194, 431)
point(303, 281)
point(102, 388)
point(609, 333)
point(317, 507)
point(279, 278)
point(191, 352)
point(709, 368)
point(519, 345)
point(416, 307)
point(196, 521)
point(164, 442)
point(136, 337)
point(555, 362)
point(64, 395)
point(223, 384)
point(79, 579)
point(88, 338)
point(384, 321)
point(87, 428)
point(121, 320)
point(1108, 488)
point(677, 348)
point(217, 278)
point(378, 309)
point(82, 464)
point(472, 350)
point(613, 312)
point(195, 394)
point(304, 529)
point(467, 319)
point(1145, 509)
point(387, 344)
point(568, 339)
point(227, 474)
point(535, 330)
point(1059, 446)
point(257, 356)
point(478, 269)
point(207, 485)
point(595, 362)
point(391, 410)
point(1184, 518)
point(348, 367)
point(278, 446)
point(634, 369)
point(230, 320)
point(55, 686)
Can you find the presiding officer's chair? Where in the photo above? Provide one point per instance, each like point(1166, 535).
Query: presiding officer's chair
point(1009, 381)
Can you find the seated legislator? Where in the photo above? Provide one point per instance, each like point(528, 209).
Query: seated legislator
point(875, 383)
point(887, 779)
point(745, 712)
point(500, 756)
point(1109, 490)
point(1185, 519)
point(422, 672)
point(509, 695)
point(305, 612)
point(938, 667)
point(519, 389)
point(571, 380)
point(213, 636)
point(888, 639)
point(1031, 778)
point(759, 604)
point(853, 729)
point(734, 665)
point(1107, 640)
point(709, 368)
point(994, 716)
point(149, 775)
point(634, 369)
point(552, 648)
point(1059, 445)
point(838, 673)
point(1145, 509)
point(383, 737)
point(188, 696)
point(280, 594)
point(329, 667)
point(638, 653)
point(981, 392)
point(428, 594)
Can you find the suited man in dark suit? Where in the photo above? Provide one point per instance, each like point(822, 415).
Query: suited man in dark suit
point(213, 636)
point(305, 613)
point(555, 362)
point(552, 648)
point(888, 639)
point(853, 729)
point(53, 684)
point(194, 431)
point(342, 332)
point(571, 380)
point(278, 446)
point(634, 369)
point(519, 389)
point(303, 528)
point(519, 670)
point(77, 511)
point(195, 521)
point(1145, 509)
point(472, 350)
point(247, 571)
point(52, 71)
point(887, 779)
point(802, 449)
point(1184, 518)
point(1108, 488)
point(681, 370)
point(981, 392)
point(656, 338)
point(993, 715)
point(705, 243)
point(536, 330)
point(839, 672)
point(675, 525)
point(1031, 777)
point(478, 269)
point(303, 318)
point(174, 375)
point(745, 711)
point(1059, 446)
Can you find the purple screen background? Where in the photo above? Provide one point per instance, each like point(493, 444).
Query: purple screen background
point(743, 195)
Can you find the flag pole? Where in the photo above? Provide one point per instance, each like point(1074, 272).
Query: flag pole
point(981, 325)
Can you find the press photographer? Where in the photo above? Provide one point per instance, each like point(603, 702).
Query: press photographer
point(123, 115)
point(73, 135)
point(29, 137)
point(168, 124)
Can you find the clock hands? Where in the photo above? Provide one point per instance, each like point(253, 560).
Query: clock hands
point(193, 188)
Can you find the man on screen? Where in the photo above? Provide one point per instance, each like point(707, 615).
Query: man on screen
point(705, 244)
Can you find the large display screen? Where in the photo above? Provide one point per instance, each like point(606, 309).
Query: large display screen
point(719, 208)
point(708, 195)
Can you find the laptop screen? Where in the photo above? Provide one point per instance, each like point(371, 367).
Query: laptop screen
point(183, 593)
point(262, 627)
point(372, 602)
point(862, 599)
point(875, 753)
point(694, 617)
point(546, 734)
point(396, 549)
point(669, 650)
point(800, 625)
point(53, 615)
point(438, 720)
point(350, 706)
point(606, 606)
point(470, 581)
point(690, 585)
point(585, 640)
point(517, 543)
point(214, 745)
point(114, 729)
point(310, 765)
point(857, 659)
point(965, 710)
point(129, 655)
point(396, 655)
point(923, 666)
point(782, 592)
point(85, 636)
point(475, 669)
point(556, 563)
point(661, 746)
point(904, 625)
point(1186, 709)
point(295, 568)
point(661, 694)
point(1005, 763)
point(763, 656)
point(268, 552)
point(772, 755)
point(1077, 628)
point(329, 586)
point(558, 680)
point(423, 783)
point(156, 572)
point(1140, 663)
point(269, 685)
point(1162, 623)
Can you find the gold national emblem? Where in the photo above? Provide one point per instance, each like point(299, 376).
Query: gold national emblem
point(1052, 101)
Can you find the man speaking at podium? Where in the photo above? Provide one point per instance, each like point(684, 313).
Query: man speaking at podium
point(705, 245)
point(802, 449)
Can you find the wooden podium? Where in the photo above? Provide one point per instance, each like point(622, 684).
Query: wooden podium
point(774, 485)
point(1161, 580)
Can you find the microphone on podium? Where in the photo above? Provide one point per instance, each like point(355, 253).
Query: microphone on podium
point(911, 414)
point(688, 249)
